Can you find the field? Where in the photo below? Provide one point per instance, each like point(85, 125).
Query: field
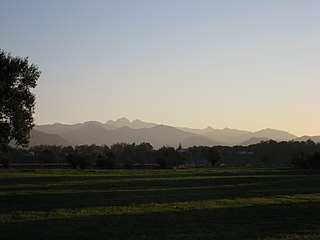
point(160, 204)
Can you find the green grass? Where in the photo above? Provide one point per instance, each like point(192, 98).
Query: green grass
point(159, 204)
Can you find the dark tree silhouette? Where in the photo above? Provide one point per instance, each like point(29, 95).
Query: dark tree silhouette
point(17, 102)
point(47, 156)
point(214, 155)
point(106, 162)
point(314, 160)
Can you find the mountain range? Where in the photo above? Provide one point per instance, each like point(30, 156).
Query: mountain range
point(137, 131)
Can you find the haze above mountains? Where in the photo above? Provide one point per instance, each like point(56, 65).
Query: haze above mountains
point(137, 131)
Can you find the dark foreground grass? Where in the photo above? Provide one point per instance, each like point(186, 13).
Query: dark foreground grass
point(152, 204)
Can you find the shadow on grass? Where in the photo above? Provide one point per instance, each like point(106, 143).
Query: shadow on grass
point(56, 176)
point(258, 222)
point(154, 191)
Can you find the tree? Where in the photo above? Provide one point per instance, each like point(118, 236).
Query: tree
point(106, 162)
point(314, 160)
point(47, 156)
point(17, 102)
point(169, 158)
point(77, 160)
point(71, 159)
point(299, 160)
point(214, 155)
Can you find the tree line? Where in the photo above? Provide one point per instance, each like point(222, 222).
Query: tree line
point(119, 155)
point(123, 155)
point(271, 153)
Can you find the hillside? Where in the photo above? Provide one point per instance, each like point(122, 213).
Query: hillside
point(40, 138)
point(253, 140)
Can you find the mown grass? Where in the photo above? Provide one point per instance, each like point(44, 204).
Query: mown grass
point(158, 204)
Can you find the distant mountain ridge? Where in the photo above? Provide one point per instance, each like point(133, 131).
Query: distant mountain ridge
point(41, 138)
point(137, 131)
point(158, 136)
point(254, 140)
point(136, 124)
point(316, 139)
point(237, 137)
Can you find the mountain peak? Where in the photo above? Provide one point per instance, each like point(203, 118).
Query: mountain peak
point(123, 120)
point(278, 135)
point(136, 120)
point(254, 140)
point(137, 124)
point(120, 122)
point(93, 123)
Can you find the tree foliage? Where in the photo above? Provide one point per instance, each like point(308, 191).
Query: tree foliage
point(47, 156)
point(214, 155)
point(304, 155)
point(77, 161)
point(17, 102)
point(170, 158)
point(311, 161)
point(106, 161)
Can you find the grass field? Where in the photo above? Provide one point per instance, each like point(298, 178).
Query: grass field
point(160, 204)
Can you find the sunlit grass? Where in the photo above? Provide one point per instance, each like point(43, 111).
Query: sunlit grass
point(156, 207)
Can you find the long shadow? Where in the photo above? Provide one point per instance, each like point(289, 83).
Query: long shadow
point(42, 177)
point(132, 181)
point(170, 190)
point(138, 183)
point(259, 222)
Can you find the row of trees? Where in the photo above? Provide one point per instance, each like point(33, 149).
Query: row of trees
point(269, 153)
point(120, 155)
point(123, 155)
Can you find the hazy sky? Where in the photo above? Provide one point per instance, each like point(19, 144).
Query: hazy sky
point(248, 64)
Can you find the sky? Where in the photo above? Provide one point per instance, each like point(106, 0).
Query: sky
point(249, 64)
